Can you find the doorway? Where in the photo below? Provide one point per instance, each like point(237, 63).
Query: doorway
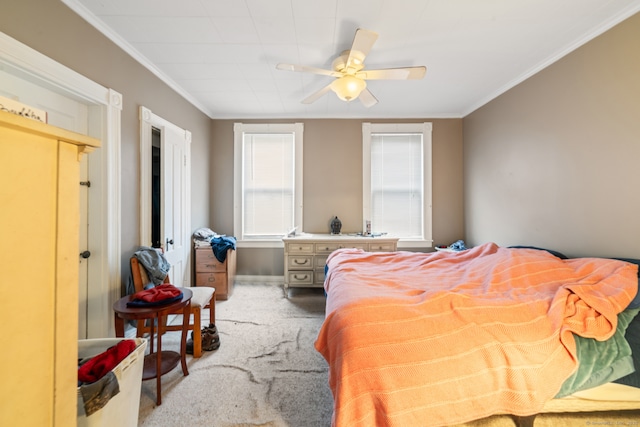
point(165, 205)
point(101, 109)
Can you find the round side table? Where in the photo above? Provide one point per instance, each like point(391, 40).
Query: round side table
point(159, 362)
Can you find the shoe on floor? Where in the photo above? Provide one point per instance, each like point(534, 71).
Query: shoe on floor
point(210, 342)
point(211, 329)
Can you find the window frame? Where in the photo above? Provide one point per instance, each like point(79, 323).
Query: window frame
point(239, 129)
point(426, 129)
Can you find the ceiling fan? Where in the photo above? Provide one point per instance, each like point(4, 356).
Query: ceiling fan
point(351, 75)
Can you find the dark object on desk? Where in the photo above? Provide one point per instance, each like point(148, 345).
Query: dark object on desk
point(336, 225)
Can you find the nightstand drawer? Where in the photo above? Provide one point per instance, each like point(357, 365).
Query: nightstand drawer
point(211, 279)
point(300, 278)
point(300, 262)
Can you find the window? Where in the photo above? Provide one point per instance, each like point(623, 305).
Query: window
point(397, 181)
point(268, 182)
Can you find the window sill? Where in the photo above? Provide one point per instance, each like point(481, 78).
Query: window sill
point(414, 244)
point(270, 243)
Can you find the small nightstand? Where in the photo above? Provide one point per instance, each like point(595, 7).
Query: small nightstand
point(211, 272)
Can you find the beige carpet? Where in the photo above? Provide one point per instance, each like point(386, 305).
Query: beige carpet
point(267, 372)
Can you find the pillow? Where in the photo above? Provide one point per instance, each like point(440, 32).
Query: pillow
point(552, 252)
point(635, 302)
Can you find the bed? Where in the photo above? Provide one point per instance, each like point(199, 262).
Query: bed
point(434, 339)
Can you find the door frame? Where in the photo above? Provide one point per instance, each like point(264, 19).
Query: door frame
point(104, 122)
point(149, 120)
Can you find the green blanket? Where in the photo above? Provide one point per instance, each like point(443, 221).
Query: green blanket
point(601, 362)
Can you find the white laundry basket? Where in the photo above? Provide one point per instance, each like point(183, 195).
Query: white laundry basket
point(122, 409)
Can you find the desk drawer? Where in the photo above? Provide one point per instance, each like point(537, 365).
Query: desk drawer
point(318, 276)
point(300, 262)
point(320, 261)
point(206, 261)
point(300, 278)
point(302, 247)
point(382, 247)
point(211, 279)
point(327, 248)
point(362, 246)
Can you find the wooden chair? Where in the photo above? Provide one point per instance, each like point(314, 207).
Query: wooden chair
point(203, 297)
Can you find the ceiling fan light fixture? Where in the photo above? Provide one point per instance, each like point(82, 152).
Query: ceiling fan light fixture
point(348, 87)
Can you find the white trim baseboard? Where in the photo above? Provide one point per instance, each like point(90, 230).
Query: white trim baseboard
point(259, 279)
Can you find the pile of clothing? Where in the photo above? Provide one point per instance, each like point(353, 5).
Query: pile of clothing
point(219, 243)
point(97, 382)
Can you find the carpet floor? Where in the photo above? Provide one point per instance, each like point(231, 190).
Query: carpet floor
point(267, 373)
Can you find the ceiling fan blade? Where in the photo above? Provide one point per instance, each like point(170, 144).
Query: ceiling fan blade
point(316, 95)
point(306, 69)
point(362, 43)
point(367, 98)
point(405, 73)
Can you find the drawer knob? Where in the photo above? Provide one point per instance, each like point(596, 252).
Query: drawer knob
point(297, 261)
point(301, 278)
point(212, 279)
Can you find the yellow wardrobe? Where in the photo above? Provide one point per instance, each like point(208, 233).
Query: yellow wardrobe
point(39, 223)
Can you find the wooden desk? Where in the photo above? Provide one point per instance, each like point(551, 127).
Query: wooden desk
point(159, 362)
point(306, 255)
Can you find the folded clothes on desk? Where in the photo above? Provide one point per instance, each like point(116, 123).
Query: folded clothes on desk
point(157, 295)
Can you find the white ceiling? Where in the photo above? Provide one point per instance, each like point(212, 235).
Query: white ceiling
point(221, 55)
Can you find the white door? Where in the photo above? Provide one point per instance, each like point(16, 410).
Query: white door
point(174, 193)
point(69, 114)
point(172, 201)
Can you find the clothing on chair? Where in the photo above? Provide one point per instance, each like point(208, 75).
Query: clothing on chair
point(154, 262)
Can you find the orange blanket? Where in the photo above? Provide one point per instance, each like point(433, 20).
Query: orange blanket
point(434, 339)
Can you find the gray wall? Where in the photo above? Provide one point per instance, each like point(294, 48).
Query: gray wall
point(550, 163)
point(332, 152)
point(57, 32)
point(554, 161)
point(332, 183)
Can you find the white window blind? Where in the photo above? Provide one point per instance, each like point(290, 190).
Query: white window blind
point(268, 184)
point(396, 165)
point(397, 184)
